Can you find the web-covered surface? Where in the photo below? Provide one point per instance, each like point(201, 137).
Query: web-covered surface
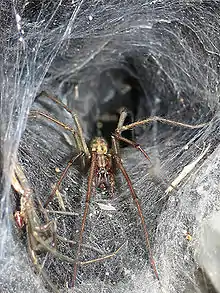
point(159, 57)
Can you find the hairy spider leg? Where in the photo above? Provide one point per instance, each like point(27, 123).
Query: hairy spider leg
point(157, 119)
point(135, 198)
point(35, 113)
point(121, 127)
point(122, 117)
point(125, 174)
point(88, 197)
point(82, 142)
point(133, 144)
point(139, 148)
point(71, 161)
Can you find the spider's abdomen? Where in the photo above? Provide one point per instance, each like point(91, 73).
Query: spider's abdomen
point(104, 179)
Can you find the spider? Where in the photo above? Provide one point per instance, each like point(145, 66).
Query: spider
point(102, 164)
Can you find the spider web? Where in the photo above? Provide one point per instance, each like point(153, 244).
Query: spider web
point(161, 57)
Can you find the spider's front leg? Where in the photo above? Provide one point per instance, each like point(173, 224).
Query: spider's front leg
point(77, 133)
point(121, 127)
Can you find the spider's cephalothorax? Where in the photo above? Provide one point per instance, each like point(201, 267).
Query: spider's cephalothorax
point(104, 178)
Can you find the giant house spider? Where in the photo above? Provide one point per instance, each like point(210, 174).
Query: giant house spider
point(102, 164)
